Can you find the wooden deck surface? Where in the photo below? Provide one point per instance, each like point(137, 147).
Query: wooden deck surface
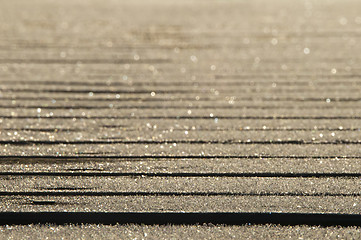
point(180, 107)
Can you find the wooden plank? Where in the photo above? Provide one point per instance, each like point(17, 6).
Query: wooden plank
point(166, 106)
